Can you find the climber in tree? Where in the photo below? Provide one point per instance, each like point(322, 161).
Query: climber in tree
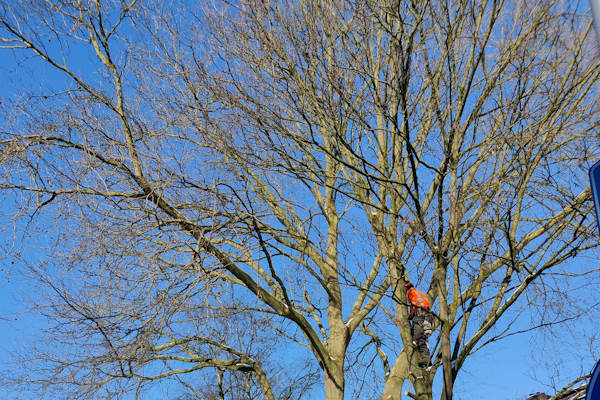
point(421, 320)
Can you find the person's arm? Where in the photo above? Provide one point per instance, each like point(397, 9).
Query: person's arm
point(411, 309)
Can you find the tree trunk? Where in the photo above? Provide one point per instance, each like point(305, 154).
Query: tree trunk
point(420, 387)
point(334, 375)
point(338, 343)
point(394, 382)
point(334, 390)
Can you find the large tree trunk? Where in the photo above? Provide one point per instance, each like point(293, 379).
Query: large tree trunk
point(394, 382)
point(334, 390)
point(422, 386)
point(420, 381)
point(334, 374)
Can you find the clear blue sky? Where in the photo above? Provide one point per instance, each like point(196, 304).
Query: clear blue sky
point(509, 369)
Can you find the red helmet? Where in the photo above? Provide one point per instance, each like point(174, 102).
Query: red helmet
point(407, 284)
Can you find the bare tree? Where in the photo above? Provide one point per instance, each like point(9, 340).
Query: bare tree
point(220, 166)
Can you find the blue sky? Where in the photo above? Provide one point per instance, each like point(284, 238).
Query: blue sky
point(509, 369)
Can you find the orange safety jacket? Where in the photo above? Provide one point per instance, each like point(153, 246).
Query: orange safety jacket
point(417, 300)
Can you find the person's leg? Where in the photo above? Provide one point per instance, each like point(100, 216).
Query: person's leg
point(428, 325)
point(427, 330)
point(420, 338)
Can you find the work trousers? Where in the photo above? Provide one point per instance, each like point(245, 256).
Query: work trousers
point(421, 330)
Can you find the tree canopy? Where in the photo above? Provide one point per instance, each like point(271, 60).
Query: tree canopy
point(220, 182)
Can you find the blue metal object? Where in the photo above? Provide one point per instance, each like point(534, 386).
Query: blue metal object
point(596, 15)
point(593, 390)
point(595, 185)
